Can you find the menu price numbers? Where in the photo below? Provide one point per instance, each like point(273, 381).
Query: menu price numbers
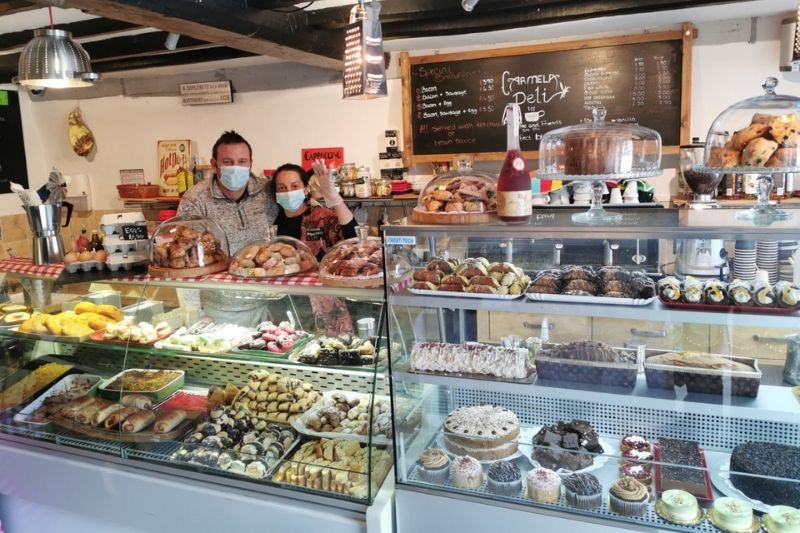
point(486, 98)
point(487, 85)
point(486, 109)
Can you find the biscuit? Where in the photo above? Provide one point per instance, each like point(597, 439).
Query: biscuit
point(757, 152)
point(721, 157)
point(740, 138)
point(785, 130)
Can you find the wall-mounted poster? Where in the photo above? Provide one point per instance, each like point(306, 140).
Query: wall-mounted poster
point(13, 166)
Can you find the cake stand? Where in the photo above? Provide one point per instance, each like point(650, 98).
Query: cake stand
point(596, 215)
point(762, 213)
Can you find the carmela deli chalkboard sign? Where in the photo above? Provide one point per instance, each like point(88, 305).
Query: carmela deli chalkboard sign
point(455, 102)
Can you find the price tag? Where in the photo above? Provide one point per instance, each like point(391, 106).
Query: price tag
point(134, 232)
point(401, 240)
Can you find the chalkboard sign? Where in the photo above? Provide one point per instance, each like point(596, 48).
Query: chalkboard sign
point(134, 232)
point(454, 103)
point(12, 147)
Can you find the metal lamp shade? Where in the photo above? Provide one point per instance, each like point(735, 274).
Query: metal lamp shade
point(52, 59)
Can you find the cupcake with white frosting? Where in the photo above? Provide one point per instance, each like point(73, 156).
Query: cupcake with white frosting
point(466, 472)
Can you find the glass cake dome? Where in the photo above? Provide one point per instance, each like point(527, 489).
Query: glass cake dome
point(188, 246)
point(759, 135)
point(599, 151)
point(458, 197)
point(272, 257)
point(356, 262)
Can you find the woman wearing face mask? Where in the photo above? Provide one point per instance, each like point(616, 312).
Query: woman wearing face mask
point(299, 217)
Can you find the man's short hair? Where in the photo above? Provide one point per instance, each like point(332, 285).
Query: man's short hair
point(230, 137)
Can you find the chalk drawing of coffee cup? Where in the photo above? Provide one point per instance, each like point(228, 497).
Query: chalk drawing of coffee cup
point(534, 116)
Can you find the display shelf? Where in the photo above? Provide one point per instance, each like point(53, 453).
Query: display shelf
point(774, 402)
point(653, 311)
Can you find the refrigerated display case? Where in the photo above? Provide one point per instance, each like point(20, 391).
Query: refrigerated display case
point(591, 371)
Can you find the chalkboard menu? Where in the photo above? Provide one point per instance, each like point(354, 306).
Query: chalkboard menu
point(455, 105)
point(12, 148)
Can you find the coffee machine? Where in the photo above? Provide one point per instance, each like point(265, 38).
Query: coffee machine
point(45, 224)
point(701, 258)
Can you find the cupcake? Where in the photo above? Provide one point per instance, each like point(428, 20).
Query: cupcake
point(782, 519)
point(641, 473)
point(628, 497)
point(634, 442)
point(504, 478)
point(433, 465)
point(544, 485)
point(583, 491)
point(466, 472)
point(731, 514)
point(679, 507)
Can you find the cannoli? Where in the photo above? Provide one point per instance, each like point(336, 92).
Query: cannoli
point(740, 292)
point(104, 413)
point(669, 289)
point(692, 290)
point(764, 295)
point(788, 295)
point(116, 417)
point(138, 421)
point(168, 421)
point(715, 291)
point(139, 401)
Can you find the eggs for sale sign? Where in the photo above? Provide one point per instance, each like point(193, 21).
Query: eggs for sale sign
point(332, 156)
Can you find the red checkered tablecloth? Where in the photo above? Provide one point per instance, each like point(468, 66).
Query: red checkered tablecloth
point(310, 279)
point(24, 266)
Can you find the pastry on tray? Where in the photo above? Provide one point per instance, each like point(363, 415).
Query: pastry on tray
point(189, 248)
point(473, 275)
point(585, 280)
point(566, 445)
point(281, 257)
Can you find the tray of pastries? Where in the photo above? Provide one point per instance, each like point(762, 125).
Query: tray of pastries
point(23, 385)
point(76, 325)
point(342, 350)
point(155, 384)
point(738, 296)
point(273, 397)
point(475, 277)
point(278, 340)
point(355, 262)
point(126, 331)
point(49, 403)
point(13, 314)
point(283, 256)
point(186, 249)
point(460, 198)
point(349, 415)
point(594, 285)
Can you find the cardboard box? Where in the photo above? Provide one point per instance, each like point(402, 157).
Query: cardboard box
point(173, 156)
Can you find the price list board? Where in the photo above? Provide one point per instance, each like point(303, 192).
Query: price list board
point(453, 104)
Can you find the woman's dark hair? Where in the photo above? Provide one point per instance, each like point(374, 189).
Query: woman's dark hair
point(230, 137)
point(291, 167)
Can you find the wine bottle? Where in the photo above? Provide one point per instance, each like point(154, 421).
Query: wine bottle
point(514, 185)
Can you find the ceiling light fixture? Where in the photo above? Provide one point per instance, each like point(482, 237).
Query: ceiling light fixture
point(171, 42)
point(53, 60)
point(364, 73)
point(469, 5)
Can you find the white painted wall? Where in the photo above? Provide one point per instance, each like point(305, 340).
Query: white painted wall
point(726, 68)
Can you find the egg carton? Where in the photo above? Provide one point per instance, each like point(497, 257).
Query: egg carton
point(115, 244)
point(112, 224)
point(126, 261)
point(84, 266)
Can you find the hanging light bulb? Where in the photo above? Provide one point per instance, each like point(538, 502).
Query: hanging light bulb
point(53, 60)
point(468, 5)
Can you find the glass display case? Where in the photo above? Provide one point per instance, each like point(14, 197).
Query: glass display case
point(272, 386)
point(605, 390)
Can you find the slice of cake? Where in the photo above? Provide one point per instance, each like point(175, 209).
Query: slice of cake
point(682, 466)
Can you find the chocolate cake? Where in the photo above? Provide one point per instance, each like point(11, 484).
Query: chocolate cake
point(767, 459)
point(566, 445)
point(675, 455)
point(588, 362)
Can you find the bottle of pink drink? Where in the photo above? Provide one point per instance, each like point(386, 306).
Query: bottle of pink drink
point(514, 184)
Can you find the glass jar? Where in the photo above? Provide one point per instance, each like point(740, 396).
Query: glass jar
point(188, 243)
point(363, 189)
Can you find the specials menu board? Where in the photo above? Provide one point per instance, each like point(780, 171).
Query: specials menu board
point(455, 104)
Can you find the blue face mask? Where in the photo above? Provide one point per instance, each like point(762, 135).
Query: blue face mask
point(292, 200)
point(234, 178)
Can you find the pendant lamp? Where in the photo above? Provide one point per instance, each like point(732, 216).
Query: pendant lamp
point(53, 60)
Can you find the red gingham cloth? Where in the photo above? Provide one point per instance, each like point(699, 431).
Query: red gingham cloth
point(308, 279)
point(402, 284)
point(25, 266)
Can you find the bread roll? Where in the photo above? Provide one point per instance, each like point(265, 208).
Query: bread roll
point(138, 421)
point(169, 421)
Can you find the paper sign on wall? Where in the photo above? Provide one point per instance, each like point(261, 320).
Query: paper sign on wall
point(332, 156)
point(173, 157)
point(207, 92)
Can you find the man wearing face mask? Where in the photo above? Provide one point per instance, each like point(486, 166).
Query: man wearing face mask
point(242, 205)
point(235, 198)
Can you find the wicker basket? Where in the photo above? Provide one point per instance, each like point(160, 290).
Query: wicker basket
point(138, 190)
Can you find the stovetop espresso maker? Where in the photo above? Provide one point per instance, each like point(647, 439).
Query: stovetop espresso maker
point(45, 223)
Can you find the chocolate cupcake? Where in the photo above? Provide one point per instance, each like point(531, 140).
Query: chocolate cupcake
point(628, 497)
point(433, 465)
point(504, 478)
point(583, 491)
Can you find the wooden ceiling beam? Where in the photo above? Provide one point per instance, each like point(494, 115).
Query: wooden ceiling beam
point(283, 36)
point(16, 6)
point(84, 28)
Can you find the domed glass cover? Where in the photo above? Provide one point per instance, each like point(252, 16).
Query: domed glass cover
point(757, 135)
point(272, 257)
point(358, 258)
point(460, 191)
point(600, 150)
point(188, 242)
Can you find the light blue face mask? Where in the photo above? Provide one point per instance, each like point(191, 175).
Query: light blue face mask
point(292, 200)
point(234, 177)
